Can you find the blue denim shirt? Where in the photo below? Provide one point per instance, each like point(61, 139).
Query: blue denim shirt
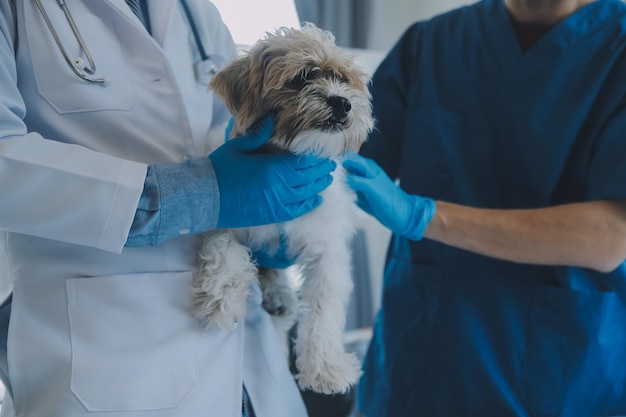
point(178, 199)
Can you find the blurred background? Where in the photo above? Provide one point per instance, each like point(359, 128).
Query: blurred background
point(367, 24)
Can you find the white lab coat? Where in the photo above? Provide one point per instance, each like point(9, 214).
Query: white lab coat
point(96, 327)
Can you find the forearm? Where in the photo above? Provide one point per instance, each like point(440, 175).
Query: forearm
point(590, 234)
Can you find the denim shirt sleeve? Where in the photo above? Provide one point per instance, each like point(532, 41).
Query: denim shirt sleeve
point(178, 199)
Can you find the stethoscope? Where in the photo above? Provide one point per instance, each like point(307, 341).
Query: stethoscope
point(205, 69)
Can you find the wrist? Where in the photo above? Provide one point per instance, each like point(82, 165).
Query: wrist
point(422, 211)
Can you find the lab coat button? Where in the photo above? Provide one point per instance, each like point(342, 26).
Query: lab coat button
point(184, 232)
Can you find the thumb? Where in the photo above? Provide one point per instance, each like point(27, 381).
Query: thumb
point(359, 184)
point(257, 135)
point(358, 165)
point(362, 189)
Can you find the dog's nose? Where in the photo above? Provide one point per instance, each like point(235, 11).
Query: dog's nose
point(341, 107)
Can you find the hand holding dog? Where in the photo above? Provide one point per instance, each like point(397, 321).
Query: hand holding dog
point(402, 213)
point(275, 258)
point(264, 188)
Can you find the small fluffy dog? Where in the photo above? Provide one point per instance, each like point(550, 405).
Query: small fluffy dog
point(322, 106)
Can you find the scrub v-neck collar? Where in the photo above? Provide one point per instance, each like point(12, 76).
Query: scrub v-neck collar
point(518, 65)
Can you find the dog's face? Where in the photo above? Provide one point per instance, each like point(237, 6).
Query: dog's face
point(318, 94)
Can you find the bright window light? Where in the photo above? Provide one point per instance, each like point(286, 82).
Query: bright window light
point(249, 20)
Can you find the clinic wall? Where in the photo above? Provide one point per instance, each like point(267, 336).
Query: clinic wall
point(389, 18)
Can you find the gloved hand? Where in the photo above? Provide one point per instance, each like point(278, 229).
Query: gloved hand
point(276, 258)
point(258, 188)
point(254, 188)
point(402, 213)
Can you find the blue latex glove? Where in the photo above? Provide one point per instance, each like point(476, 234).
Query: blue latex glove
point(402, 213)
point(276, 259)
point(229, 128)
point(258, 188)
point(253, 188)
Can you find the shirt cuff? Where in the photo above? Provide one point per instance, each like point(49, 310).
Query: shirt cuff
point(178, 199)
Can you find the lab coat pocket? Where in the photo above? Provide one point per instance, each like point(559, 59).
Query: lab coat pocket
point(575, 360)
point(134, 341)
point(432, 139)
point(56, 82)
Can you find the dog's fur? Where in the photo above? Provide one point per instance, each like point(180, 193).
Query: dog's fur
point(322, 106)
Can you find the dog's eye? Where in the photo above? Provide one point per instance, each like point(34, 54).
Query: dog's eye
point(299, 81)
point(312, 74)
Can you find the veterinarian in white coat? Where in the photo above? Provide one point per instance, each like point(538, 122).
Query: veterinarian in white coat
point(96, 326)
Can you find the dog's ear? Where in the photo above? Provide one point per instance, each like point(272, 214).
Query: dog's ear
point(266, 58)
point(230, 83)
point(240, 85)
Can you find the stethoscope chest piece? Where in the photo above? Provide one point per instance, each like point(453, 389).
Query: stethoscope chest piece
point(205, 70)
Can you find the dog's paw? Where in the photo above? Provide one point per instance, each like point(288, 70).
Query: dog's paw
point(281, 302)
point(222, 280)
point(280, 299)
point(219, 303)
point(219, 313)
point(220, 317)
point(332, 376)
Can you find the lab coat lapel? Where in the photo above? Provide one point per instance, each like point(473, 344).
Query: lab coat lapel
point(121, 8)
point(161, 13)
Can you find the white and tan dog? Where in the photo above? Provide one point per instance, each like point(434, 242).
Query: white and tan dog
point(322, 106)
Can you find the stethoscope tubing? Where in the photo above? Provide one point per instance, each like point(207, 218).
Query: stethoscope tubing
point(204, 69)
point(194, 30)
point(88, 71)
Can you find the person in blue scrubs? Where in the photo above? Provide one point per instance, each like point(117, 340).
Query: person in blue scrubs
point(505, 285)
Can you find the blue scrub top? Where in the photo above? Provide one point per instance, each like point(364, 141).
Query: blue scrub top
point(465, 116)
